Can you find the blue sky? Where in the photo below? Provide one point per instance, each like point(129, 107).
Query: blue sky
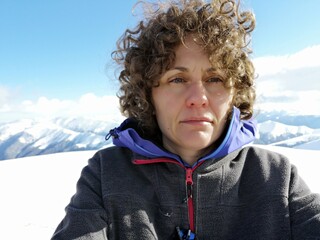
point(284, 26)
point(59, 50)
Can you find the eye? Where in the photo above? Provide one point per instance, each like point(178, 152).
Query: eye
point(214, 80)
point(177, 80)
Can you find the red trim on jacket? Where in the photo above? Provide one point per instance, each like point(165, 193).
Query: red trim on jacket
point(189, 183)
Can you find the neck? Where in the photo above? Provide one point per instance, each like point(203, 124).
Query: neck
point(189, 156)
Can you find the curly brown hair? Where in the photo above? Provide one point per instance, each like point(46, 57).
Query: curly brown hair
point(147, 51)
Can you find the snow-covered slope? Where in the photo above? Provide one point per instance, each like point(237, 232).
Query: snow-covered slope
point(36, 137)
point(308, 141)
point(31, 137)
point(35, 190)
point(279, 134)
point(276, 129)
point(311, 121)
point(315, 144)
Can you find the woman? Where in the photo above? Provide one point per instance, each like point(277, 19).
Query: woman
point(180, 167)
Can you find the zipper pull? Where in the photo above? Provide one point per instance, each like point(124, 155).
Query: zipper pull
point(112, 133)
point(189, 183)
point(189, 190)
point(185, 234)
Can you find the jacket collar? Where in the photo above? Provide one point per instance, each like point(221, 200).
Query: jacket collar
point(239, 133)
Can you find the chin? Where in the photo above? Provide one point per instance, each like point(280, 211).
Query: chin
point(199, 144)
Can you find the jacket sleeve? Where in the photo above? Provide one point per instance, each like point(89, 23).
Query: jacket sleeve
point(304, 209)
point(85, 215)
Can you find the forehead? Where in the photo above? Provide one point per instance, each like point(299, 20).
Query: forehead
point(191, 55)
point(190, 46)
point(190, 50)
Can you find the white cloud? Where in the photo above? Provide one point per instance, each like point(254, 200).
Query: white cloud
point(270, 65)
point(47, 106)
point(88, 105)
point(290, 83)
point(97, 107)
point(293, 102)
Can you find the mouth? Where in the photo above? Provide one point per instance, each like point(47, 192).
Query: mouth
point(197, 121)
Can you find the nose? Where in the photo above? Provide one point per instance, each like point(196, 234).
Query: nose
point(196, 95)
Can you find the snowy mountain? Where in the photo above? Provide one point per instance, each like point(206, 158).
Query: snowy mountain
point(311, 121)
point(35, 137)
point(31, 137)
point(35, 190)
point(279, 134)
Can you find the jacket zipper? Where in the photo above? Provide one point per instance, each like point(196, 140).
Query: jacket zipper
point(188, 183)
point(189, 190)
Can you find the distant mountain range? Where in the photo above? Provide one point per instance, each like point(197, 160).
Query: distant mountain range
point(31, 137)
point(311, 121)
point(279, 134)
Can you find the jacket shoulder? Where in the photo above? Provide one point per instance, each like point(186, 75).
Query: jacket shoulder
point(266, 169)
point(112, 153)
point(264, 156)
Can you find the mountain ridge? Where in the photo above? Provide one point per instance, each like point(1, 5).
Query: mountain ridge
point(35, 137)
point(29, 137)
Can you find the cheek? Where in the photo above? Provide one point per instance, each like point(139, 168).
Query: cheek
point(222, 99)
point(160, 110)
point(165, 101)
point(221, 103)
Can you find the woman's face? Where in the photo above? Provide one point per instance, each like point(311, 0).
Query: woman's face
point(191, 103)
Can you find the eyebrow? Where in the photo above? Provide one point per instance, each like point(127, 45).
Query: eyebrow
point(184, 69)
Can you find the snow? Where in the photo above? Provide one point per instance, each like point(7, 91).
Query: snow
point(42, 136)
point(308, 141)
point(278, 129)
point(306, 161)
point(310, 145)
point(35, 190)
point(10, 129)
point(279, 134)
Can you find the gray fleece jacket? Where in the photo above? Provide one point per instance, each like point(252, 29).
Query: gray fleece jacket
point(248, 194)
point(138, 190)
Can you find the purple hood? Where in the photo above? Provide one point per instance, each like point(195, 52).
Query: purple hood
point(239, 133)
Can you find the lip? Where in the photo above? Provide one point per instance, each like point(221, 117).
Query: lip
point(197, 120)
